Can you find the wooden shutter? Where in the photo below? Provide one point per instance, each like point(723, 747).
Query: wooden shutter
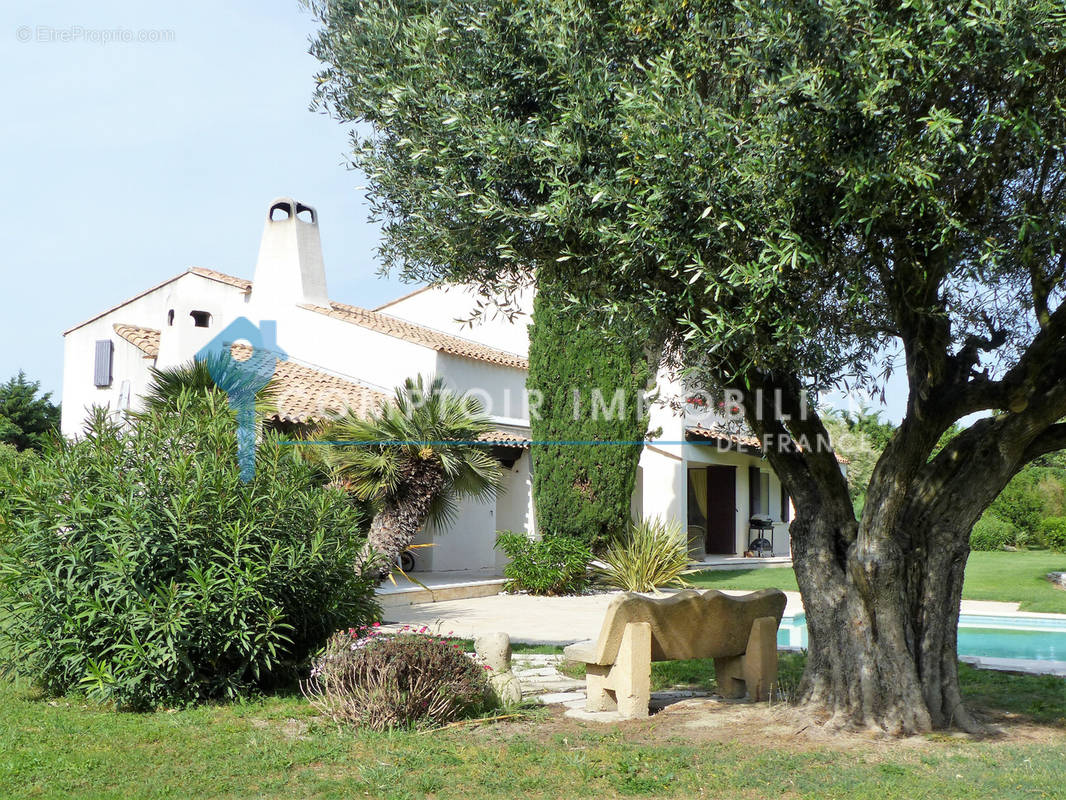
point(102, 364)
point(754, 491)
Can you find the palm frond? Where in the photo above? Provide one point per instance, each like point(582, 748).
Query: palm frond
point(426, 423)
point(215, 373)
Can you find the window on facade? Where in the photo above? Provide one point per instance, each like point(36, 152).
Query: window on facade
point(201, 319)
point(170, 317)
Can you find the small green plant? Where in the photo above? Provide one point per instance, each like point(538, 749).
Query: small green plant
point(382, 681)
point(140, 569)
point(1053, 533)
point(992, 533)
point(552, 565)
point(652, 555)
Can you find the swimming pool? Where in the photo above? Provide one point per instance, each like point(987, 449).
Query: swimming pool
point(1029, 638)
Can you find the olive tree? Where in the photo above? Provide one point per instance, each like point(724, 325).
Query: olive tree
point(794, 190)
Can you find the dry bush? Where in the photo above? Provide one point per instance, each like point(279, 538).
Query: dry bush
point(382, 681)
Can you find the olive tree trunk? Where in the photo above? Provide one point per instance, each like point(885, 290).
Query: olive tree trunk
point(882, 592)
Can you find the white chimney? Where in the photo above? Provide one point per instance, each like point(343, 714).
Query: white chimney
point(290, 269)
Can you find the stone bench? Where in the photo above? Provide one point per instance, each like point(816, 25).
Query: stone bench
point(739, 633)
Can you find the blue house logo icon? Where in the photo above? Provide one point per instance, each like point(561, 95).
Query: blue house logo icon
point(242, 371)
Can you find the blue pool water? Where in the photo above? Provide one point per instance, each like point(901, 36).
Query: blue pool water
point(989, 637)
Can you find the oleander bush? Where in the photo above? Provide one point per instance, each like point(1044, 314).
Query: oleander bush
point(652, 555)
point(1052, 533)
point(992, 533)
point(13, 465)
point(551, 565)
point(141, 570)
point(383, 681)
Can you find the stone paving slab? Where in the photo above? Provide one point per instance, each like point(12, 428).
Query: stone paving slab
point(528, 619)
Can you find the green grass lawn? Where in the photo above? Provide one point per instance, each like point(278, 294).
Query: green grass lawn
point(279, 748)
point(1009, 577)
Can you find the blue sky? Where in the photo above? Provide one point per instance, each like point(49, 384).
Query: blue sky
point(126, 163)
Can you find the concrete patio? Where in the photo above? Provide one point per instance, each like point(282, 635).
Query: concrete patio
point(527, 618)
point(435, 587)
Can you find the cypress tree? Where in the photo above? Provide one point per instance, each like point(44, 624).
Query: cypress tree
point(591, 384)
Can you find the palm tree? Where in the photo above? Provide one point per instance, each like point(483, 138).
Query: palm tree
point(216, 373)
point(415, 458)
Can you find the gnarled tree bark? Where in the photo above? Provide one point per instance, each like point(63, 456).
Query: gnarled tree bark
point(882, 592)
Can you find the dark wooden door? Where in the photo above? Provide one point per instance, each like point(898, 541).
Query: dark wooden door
point(721, 510)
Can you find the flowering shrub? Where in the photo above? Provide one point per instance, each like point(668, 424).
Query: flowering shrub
point(381, 681)
point(140, 569)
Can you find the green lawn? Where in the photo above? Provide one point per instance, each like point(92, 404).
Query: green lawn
point(279, 748)
point(1009, 577)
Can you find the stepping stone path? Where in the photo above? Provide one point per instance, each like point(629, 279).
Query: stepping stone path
point(540, 677)
point(542, 682)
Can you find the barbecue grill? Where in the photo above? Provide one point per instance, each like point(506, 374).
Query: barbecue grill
point(758, 525)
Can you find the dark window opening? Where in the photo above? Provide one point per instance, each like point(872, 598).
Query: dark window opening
point(201, 319)
point(170, 317)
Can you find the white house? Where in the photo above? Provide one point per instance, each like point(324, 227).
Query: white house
point(338, 356)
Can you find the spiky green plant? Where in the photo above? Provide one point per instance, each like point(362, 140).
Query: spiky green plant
point(416, 458)
point(652, 555)
point(215, 373)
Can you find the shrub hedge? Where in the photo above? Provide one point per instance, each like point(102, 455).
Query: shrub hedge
point(1053, 533)
point(141, 570)
point(992, 533)
point(551, 565)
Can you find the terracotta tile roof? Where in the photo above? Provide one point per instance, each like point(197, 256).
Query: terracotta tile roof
point(222, 277)
point(409, 331)
point(407, 296)
point(746, 439)
point(506, 438)
point(305, 394)
point(146, 339)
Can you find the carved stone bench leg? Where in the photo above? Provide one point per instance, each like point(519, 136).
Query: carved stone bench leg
point(729, 675)
point(760, 659)
point(753, 672)
point(597, 696)
point(624, 685)
point(632, 671)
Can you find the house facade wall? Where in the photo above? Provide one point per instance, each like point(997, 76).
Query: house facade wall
point(382, 362)
point(130, 368)
point(448, 309)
